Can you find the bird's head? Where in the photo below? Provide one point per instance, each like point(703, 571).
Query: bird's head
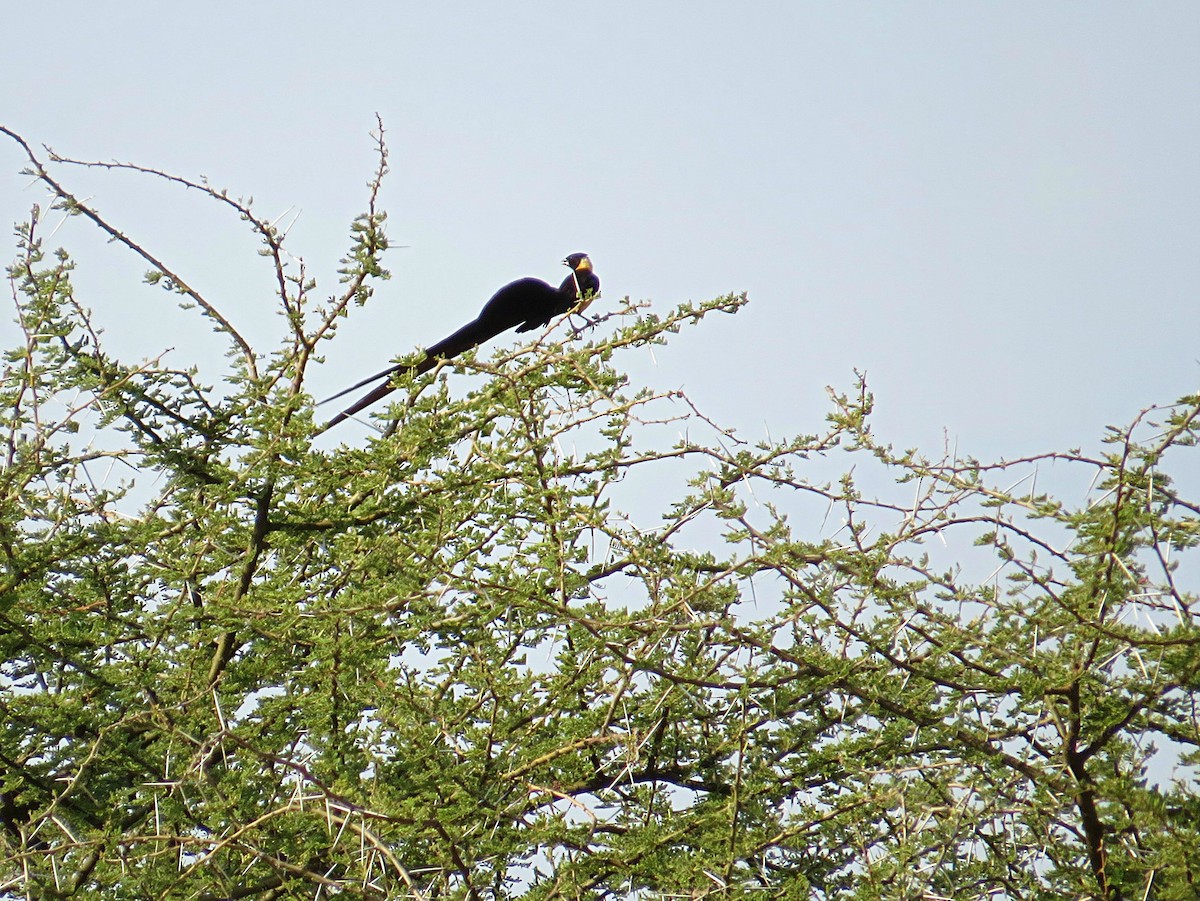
point(578, 262)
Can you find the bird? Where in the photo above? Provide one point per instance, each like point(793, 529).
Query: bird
point(525, 304)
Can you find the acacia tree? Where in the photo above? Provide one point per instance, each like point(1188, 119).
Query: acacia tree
point(455, 660)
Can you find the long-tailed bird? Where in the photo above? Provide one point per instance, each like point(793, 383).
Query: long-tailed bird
point(524, 304)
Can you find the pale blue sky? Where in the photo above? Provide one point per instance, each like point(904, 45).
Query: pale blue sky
point(992, 209)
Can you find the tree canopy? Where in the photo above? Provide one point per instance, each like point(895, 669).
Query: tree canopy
point(459, 658)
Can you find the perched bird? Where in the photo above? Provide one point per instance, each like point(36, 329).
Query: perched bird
point(524, 304)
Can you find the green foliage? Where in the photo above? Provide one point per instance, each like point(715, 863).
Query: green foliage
point(459, 659)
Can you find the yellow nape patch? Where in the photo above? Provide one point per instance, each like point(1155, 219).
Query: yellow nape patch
point(585, 265)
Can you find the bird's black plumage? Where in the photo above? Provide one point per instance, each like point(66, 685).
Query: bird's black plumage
point(524, 305)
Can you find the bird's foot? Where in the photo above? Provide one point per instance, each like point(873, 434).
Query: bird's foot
point(588, 323)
